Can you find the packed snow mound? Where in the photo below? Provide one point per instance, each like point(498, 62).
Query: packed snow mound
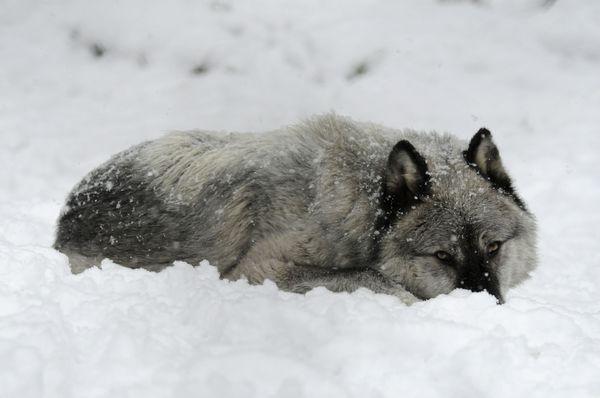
point(80, 81)
point(183, 332)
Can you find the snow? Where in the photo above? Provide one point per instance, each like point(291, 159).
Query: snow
point(80, 81)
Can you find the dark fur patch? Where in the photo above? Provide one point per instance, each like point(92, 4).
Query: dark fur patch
point(500, 181)
point(118, 216)
point(476, 274)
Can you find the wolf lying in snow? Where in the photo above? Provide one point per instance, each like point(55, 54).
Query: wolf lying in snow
point(328, 202)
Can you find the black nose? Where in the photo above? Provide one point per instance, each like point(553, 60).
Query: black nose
point(479, 282)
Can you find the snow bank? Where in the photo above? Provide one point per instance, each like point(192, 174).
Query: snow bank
point(183, 332)
point(82, 80)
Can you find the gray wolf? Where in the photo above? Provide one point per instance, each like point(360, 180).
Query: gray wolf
point(327, 202)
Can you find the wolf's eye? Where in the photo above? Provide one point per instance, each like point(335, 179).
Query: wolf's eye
point(492, 248)
point(442, 255)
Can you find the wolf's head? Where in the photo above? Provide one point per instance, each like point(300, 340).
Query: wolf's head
point(453, 219)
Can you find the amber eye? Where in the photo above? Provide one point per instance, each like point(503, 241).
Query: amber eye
point(492, 248)
point(442, 255)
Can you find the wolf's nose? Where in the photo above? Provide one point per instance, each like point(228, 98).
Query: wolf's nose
point(480, 287)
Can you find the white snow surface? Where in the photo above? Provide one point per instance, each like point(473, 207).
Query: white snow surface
point(529, 70)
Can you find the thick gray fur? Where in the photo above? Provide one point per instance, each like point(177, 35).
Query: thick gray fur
point(303, 206)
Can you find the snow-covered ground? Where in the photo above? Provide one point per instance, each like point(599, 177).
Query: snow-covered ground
point(81, 80)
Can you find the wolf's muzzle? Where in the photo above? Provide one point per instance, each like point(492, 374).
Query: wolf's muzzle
point(478, 277)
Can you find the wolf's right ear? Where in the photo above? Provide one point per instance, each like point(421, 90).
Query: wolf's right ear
point(406, 175)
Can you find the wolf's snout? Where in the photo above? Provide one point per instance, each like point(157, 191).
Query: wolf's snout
point(478, 279)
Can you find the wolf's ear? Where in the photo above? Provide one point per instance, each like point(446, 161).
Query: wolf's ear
point(483, 155)
point(406, 177)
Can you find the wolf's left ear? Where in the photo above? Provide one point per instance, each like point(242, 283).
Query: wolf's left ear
point(483, 155)
point(406, 176)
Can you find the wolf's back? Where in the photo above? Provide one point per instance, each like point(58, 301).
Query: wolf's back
point(186, 196)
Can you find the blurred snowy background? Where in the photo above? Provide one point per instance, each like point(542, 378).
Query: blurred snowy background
point(81, 80)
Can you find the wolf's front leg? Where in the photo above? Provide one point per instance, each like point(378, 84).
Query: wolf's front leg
point(281, 260)
point(303, 279)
